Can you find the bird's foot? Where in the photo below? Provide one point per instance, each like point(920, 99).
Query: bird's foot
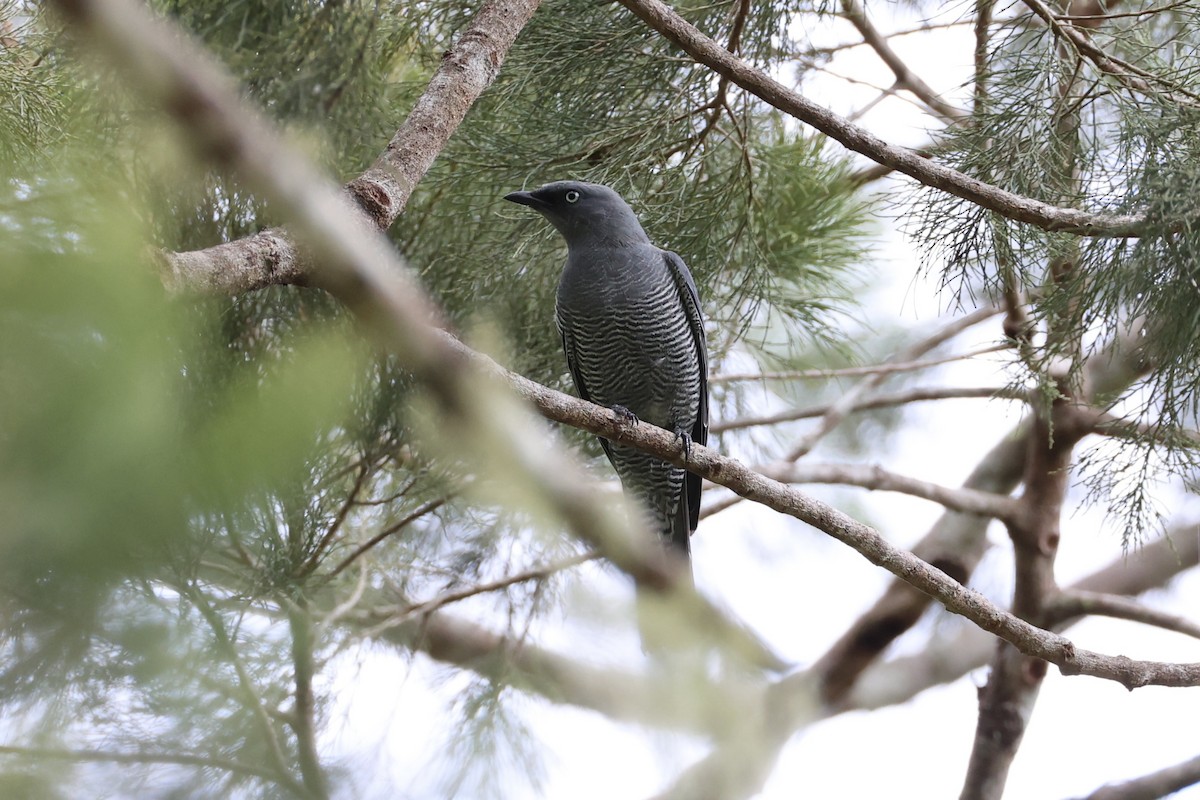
point(681, 434)
point(624, 416)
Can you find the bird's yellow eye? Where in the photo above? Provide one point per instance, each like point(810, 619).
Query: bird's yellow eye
point(572, 196)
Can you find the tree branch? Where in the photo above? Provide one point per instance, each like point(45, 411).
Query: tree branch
point(619, 694)
point(704, 50)
point(846, 403)
point(853, 11)
point(887, 368)
point(876, 478)
point(1069, 604)
point(1128, 74)
point(303, 721)
point(899, 680)
point(904, 397)
point(1153, 786)
point(382, 191)
point(889, 683)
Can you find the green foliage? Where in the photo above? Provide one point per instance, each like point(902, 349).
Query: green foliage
point(179, 475)
point(1056, 127)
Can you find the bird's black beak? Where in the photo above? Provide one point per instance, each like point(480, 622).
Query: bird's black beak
point(524, 198)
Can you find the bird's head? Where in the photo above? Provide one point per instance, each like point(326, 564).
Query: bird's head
point(584, 212)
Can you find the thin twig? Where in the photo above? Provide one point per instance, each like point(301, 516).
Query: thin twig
point(876, 478)
point(886, 368)
point(401, 524)
point(249, 695)
point(839, 409)
point(446, 598)
point(311, 563)
point(916, 394)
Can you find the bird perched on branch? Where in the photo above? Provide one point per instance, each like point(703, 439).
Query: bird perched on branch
point(633, 333)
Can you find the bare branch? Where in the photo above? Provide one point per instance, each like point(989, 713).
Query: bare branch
point(1153, 786)
point(663, 19)
point(887, 368)
point(948, 659)
point(914, 395)
point(853, 11)
point(876, 478)
point(1072, 604)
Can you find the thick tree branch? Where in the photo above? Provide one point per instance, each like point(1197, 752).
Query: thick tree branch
point(941, 661)
point(948, 659)
point(274, 257)
point(957, 541)
point(663, 19)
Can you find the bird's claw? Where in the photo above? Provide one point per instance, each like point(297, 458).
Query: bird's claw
point(682, 435)
point(624, 416)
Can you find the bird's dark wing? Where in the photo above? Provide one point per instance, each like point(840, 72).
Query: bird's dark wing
point(580, 386)
point(691, 306)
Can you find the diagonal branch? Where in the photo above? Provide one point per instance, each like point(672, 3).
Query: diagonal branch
point(1070, 604)
point(887, 368)
point(876, 478)
point(853, 11)
point(704, 50)
point(915, 394)
point(1128, 74)
point(1158, 784)
point(273, 257)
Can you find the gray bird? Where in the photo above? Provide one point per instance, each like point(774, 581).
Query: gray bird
point(631, 326)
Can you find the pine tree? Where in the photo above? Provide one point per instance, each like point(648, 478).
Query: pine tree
point(227, 497)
